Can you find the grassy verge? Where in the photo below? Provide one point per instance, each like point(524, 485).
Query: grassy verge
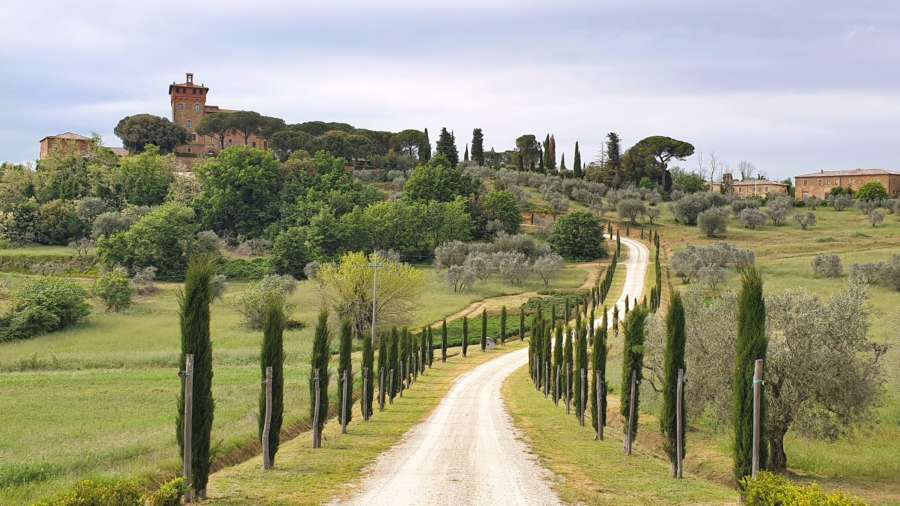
point(303, 475)
point(598, 472)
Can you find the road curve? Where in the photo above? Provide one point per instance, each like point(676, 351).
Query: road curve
point(467, 451)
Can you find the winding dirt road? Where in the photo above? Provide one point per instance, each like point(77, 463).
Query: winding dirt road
point(467, 451)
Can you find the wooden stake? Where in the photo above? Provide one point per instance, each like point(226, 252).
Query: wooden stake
point(629, 433)
point(267, 421)
point(679, 425)
point(345, 401)
point(188, 424)
point(317, 442)
point(757, 399)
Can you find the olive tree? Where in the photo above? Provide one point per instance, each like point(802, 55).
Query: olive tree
point(631, 209)
point(827, 266)
point(778, 209)
point(751, 218)
point(548, 267)
point(713, 222)
point(805, 220)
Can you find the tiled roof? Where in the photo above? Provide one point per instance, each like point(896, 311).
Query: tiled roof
point(68, 135)
point(852, 172)
point(754, 182)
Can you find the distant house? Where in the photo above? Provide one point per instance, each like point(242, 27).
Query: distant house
point(748, 187)
point(819, 184)
point(70, 143)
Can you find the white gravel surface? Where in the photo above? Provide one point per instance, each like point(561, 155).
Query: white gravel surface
point(467, 452)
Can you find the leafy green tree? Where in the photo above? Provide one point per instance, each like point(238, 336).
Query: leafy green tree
point(58, 223)
point(215, 125)
point(686, 181)
point(529, 151)
point(578, 236)
point(672, 362)
point(140, 130)
point(321, 353)
point(287, 142)
point(751, 345)
point(598, 368)
point(871, 191)
point(633, 362)
point(144, 179)
point(42, 305)
point(272, 355)
point(345, 368)
point(241, 191)
point(193, 304)
point(478, 146)
point(114, 288)
point(650, 158)
point(502, 207)
point(440, 180)
point(576, 166)
point(290, 253)
point(408, 142)
point(446, 146)
point(246, 123)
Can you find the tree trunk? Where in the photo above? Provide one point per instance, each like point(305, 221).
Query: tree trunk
point(777, 457)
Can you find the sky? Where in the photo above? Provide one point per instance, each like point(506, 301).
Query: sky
point(792, 86)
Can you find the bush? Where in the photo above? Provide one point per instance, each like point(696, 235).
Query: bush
point(169, 494)
point(688, 263)
point(114, 289)
point(503, 208)
point(827, 266)
point(769, 489)
point(876, 217)
point(99, 493)
point(688, 208)
point(58, 223)
point(450, 253)
point(43, 305)
point(870, 191)
point(109, 223)
point(578, 236)
point(738, 205)
point(751, 217)
point(240, 269)
point(778, 209)
point(252, 304)
point(289, 252)
point(142, 281)
point(713, 222)
point(805, 220)
point(839, 201)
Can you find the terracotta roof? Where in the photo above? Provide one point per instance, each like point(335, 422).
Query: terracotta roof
point(753, 182)
point(72, 136)
point(852, 172)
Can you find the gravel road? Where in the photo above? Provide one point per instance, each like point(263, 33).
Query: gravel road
point(467, 452)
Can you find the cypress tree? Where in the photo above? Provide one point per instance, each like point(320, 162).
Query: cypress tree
point(598, 367)
point(581, 364)
point(576, 166)
point(320, 355)
point(483, 329)
point(368, 363)
point(345, 366)
point(444, 340)
point(425, 148)
point(402, 361)
point(522, 323)
point(616, 320)
point(552, 166)
point(566, 310)
point(558, 365)
point(465, 338)
point(430, 346)
point(546, 155)
point(423, 348)
point(751, 345)
point(446, 145)
point(672, 361)
point(613, 152)
point(568, 359)
point(392, 381)
point(562, 165)
point(466, 155)
point(503, 325)
point(193, 304)
point(272, 355)
point(384, 367)
point(633, 360)
point(547, 341)
point(478, 146)
point(618, 244)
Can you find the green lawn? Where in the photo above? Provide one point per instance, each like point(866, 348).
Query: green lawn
point(100, 398)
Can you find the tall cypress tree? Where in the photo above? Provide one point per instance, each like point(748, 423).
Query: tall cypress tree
point(368, 363)
point(345, 366)
point(751, 345)
point(478, 146)
point(672, 361)
point(483, 329)
point(503, 325)
point(552, 166)
point(272, 355)
point(430, 346)
point(547, 341)
point(425, 148)
point(562, 165)
point(522, 322)
point(633, 360)
point(613, 152)
point(444, 340)
point(569, 361)
point(320, 355)
point(465, 338)
point(558, 366)
point(384, 367)
point(581, 364)
point(576, 165)
point(598, 368)
point(392, 382)
point(466, 155)
point(546, 154)
point(423, 348)
point(446, 145)
point(193, 304)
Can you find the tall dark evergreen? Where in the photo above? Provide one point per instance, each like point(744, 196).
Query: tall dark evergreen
point(465, 336)
point(581, 371)
point(478, 147)
point(446, 145)
point(193, 304)
point(546, 155)
point(633, 360)
point(272, 355)
point(576, 165)
point(345, 366)
point(466, 155)
point(558, 366)
point(562, 165)
point(368, 376)
point(613, 151)
point(598, 368)
point(484, 321)
point(503, 325)
point(552, 166)
point(430, 355)
point(384, 368)
point(425, 148)
point(672, 361)
point(321, 353)
point(444, 340)
point(751, 345)
point(392, 381)
point(569, 361)
point(522, 323)
point(423, 348)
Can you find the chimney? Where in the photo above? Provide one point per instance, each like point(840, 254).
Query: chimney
point(190, 78)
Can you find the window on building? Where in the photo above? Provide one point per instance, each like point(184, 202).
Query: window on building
point(181, 106)
point(196, 107)
point(190, 124)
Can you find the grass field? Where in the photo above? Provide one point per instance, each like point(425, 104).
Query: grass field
point(99, 399)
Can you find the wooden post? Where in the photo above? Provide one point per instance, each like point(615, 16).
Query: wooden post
point(188, 424)
point(365, 390)
point(345, 403)
point(267, 421)
point(757, 399)
point(629, 432)
point(599, 384)
point(679, 425)
point(381, 390)
point(317, 443)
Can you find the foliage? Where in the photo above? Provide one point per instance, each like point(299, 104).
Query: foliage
point(548, 267)
point(714, 221)
point(876, 217)
point(633, 362)
point(144, 179)
point(163, 238)
point(255, 303)
point(241, 269)
point(111, 222)
point(688, 208)
point(650, 158)
point(114, 288)
point(58, 222)
point(751, 345)
point(805, 220)
point(631, 209)
point(502, 207)
point(577, 236)
point(368, 375)
point(240, 191)
point(751, 218)
point(140, 130)
point(673, 361)
point(686, 181)
point(440, 180)
point(839, 201)
point(691, 261)
point(345, 367)
point(319, 364)
point(169, 494)
point(873, 190)
point(446, 147)
point(43, 305)
point(769, 489)
point(289, 252)
point(99, 492)
point(827, 266)
point(193, 304)
point(778, 208)
point(478, 146)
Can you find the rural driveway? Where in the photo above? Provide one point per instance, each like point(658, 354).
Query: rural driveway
point(467, 451)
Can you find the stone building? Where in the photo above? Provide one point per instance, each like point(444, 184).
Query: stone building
point(189, 107)
point(70, 143)
point(748, 187)
point(819, 184)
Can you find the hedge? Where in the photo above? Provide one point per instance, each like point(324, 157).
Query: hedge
point(769, 489)
point(239, 269)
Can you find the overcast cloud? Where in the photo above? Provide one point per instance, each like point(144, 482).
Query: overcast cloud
point(792, 86)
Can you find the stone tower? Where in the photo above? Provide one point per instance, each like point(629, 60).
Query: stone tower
point(188, 109)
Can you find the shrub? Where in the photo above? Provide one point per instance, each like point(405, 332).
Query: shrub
point(503, 208)
point(827, 266)
point(688, 208)
point(58, 223)
point(114, 289)
point(876, 217)
point(631, 209)
point(289, 252)
point(578, 236)
point(99, 493)
point(769, 489)
point(43, 305)
point(688, 262)
point(548, 267)
point(169, 494)
point(872, 190)
point(738, 205)
point(460, 278)
point(450, 253)
point(110, 223)
point(751, 217)
point(713, 222)
point(252, 304)
point(805, 220)
point(245, 269)
point(142, 281)
point(839, 201)
point(513, 267)
point(778, 209)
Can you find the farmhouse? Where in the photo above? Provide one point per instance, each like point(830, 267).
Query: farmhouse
point(748, 187)
point(70, 143)
point(818, 184)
